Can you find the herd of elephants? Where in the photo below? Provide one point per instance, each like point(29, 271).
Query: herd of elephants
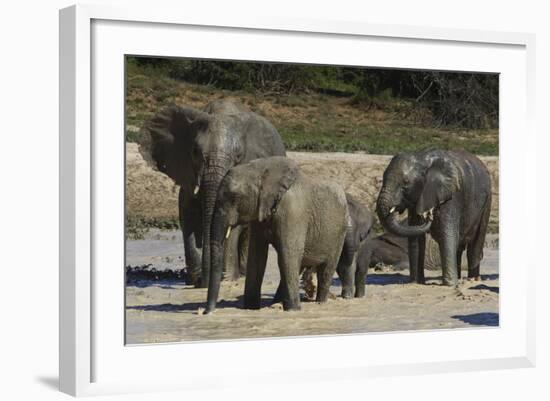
point(239, 193)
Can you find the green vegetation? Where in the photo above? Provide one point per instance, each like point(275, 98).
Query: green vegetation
point(333, 109)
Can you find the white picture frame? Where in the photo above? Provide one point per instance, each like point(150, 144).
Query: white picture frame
point(93, 358)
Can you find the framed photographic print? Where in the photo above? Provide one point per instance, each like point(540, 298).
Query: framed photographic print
point(263, 190)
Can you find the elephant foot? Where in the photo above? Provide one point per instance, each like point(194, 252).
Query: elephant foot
point(253, 304)
point(449, 283)
point(292, 307)
point(347, 294)
point(277, 298)
point(201, 284)
point(192, 278)
point(474, 278)
point(275, 301)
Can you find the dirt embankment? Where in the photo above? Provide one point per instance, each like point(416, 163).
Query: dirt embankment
point(152, 195)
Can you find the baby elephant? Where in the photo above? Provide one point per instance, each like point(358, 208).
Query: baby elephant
point(358, 227)
point(303, 218)
point(352, 274)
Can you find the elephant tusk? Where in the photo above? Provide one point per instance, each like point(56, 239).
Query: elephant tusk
point(392, 210)
point(429, 214)
point(228, 232)
point(196, 190)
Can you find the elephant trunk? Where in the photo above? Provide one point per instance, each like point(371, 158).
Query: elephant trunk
point(219, 228)
point(388, 217)
point(212, 177)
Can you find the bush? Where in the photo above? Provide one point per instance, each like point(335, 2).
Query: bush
point(465, 100)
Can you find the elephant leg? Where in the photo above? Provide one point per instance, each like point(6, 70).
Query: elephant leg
point(346, 272)
point(257, 259)
point(361, 270)
point(309, 283)
point(474, 254)
point(231, 254)
point(475, 248)
point(449, 242)
point(324, 279)
point(290, 260)
point(346, 265)
point(417, 250)
point(325, 272)
point(279, 294)
point(459, 262)
point(448, 248)
point(189, 217)
point(244, 241)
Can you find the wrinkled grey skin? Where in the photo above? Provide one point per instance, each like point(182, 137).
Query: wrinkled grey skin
point(196, 149)
point(392, 250)
point(447, 193)
point(303, 218)
point(358, 227)
point(386, 249)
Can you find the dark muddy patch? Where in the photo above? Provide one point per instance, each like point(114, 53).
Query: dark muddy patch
point(146, 275)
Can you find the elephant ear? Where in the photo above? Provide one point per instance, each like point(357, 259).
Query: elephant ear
point(170, 125)
point(277, 178)
point(441, 182)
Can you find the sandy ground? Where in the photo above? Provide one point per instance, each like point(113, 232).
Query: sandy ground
point(168, 312)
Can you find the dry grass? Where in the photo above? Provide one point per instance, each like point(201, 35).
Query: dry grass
point(314, 122)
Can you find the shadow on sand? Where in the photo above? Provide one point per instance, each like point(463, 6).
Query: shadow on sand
point(194, 306)
point(379, 279)
point(485, 287)
point(479, 319)
point(387, 279)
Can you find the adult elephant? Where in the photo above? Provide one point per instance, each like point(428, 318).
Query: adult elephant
point(196, 148)
point(303, 218)
point(447, 193)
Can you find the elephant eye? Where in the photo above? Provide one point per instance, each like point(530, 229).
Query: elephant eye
point(196, 153)
point(238, 154)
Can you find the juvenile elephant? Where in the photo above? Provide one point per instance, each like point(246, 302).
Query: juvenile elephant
point(196, 149)
point(447, 193)
point(358, 227)
point(303, 218)
point(351, 273)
